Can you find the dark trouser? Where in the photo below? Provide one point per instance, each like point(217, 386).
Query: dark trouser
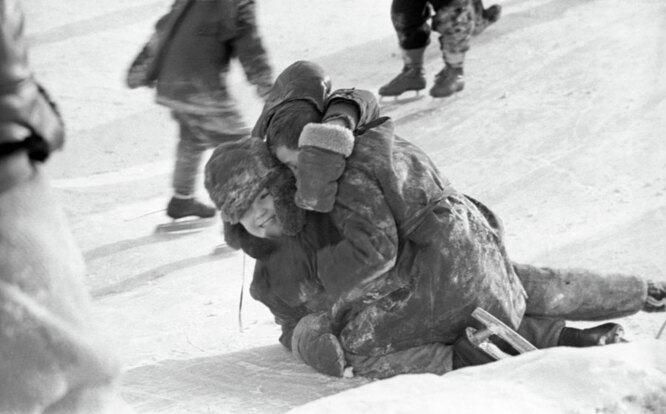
point(453, 19)
point(197, 134)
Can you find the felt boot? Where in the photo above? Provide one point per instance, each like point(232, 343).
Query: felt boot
point(608, 333)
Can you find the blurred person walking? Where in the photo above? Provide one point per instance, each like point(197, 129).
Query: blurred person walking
point(187, 61)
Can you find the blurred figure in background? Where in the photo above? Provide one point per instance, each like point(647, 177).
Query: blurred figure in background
point(187, 60)
point(456, 21)
point(51, 358)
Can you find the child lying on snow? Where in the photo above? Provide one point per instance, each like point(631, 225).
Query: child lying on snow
point(392, 324)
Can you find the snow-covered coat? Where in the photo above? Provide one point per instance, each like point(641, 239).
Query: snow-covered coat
point(446, 249)
point(445, 262)
point(416, 256)
point(51, 357)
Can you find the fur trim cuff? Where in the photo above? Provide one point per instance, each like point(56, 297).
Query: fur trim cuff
point(330, 137)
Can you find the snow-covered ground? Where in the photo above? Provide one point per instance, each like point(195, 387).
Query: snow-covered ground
point(560, 130)
point(627, 378)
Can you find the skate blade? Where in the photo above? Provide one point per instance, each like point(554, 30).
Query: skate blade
point(185, 225)
point(403, 97)
point(222, 250)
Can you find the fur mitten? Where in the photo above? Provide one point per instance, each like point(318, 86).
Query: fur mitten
point(314, 343)
point(321, 162)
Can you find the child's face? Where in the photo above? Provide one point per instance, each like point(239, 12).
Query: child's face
point(260, 219)
point(288, 157)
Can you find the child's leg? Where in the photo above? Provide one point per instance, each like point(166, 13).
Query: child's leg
point(577, 294)
point(541, 332)
point(549, 332)
point(198, 134)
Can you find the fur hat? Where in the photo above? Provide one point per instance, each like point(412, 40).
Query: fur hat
point(236, 173)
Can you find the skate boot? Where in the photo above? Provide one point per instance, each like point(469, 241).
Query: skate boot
point(188, 215)
point(608, 333)
point(447, 82)
point(492, 13)
point(187, 207)
point(656, 297)
point(412, 78)
point(485, 17)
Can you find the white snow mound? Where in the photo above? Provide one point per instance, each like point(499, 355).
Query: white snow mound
point(624, 378)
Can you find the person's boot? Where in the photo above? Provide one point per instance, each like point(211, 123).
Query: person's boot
point(656, 297)
point(608, 333)
point(188, 207)
point(412, 76)
point(492, 13)
point(448, 81)
point(485, 17)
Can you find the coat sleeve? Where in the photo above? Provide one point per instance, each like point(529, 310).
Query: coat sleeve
point(250, 49)
point(324, 148)
point(358, 264)
point(286, 316)
point(359, 104)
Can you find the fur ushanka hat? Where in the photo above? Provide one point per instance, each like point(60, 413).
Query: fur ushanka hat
point(238, 171)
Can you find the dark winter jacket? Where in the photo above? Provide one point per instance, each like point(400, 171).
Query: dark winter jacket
point(285, 273)
point(212, 32)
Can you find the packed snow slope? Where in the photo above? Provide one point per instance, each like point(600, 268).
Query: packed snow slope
point(626, 378)
point(560, 129)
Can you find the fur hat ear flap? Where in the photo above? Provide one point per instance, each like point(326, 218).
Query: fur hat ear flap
point(283, 190)
point(237, 237)
point(232, 234)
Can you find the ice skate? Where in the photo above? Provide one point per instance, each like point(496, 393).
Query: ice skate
point(223, 249)
point(482, 339)
point(492, 13)
point(188, 214)
point(412, 78)
point(447, 82)
point(485, 17)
